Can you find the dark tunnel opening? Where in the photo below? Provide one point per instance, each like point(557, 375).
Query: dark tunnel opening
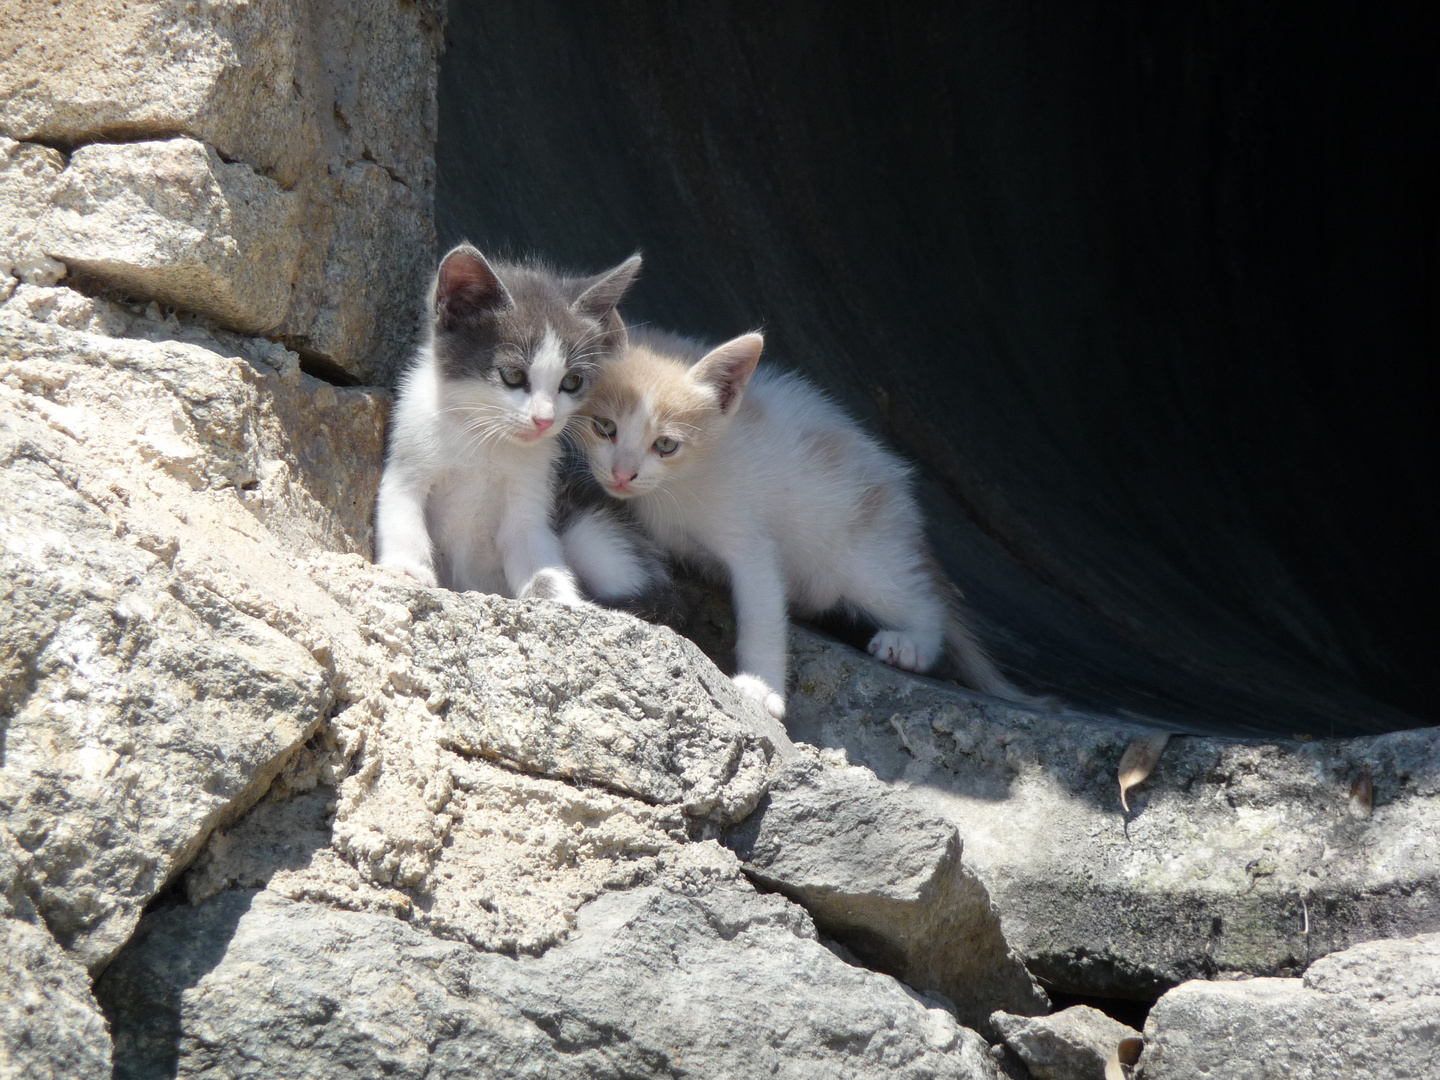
point(1147, 292)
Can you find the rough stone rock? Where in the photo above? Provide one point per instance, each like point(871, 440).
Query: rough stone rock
point(696, 975)
point(358, 292)
point(334, 101)
point(1232, 851)
point(28, 174)
point(639, 710)
point(82, 71)
point(886, 880)
point(1073, 1044)
point(1371, 1011)
point(139, 707)
point(170, 220)
point(50, 1023)
point(211, 411)
point(186, 598)
point(264, 81)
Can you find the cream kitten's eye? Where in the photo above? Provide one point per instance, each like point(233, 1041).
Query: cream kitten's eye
point(571, 383)
point(665, 446)
point(512, 377)
point(604, 426)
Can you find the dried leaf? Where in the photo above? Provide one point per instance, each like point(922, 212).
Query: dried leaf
point(1362, 794)
point(1124, 1058)
point(1137, 761)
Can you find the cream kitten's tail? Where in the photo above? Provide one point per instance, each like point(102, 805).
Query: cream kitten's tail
point(977, 669)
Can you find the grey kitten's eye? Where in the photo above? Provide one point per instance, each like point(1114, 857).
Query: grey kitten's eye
point(604, 426)
point(512, 377)
point(665, 446)
point(571, 383)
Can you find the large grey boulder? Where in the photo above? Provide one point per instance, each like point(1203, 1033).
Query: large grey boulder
point(696, 975)
point(1371, 1011)
point(1074, 1044)
point(886, 879)
point(1238, 856)
point(186, 605)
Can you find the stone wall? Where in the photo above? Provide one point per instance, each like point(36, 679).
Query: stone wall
point(265, 163)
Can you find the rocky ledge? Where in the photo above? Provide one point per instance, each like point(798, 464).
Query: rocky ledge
point(267, 808)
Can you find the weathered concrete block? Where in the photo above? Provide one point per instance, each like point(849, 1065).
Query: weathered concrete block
point(28, 175)
point(170, 220)
point(1371, 1011)
point(885, 879)
point(1073, 1044)
point(358, 292)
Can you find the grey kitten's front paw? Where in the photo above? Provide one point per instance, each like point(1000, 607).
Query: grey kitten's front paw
point(758, 690)
point(425, 575)
point(557, 585)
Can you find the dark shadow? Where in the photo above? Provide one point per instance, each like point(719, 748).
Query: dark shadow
point(1126, 1010)
point(177, 943)
point(1148, 293)
point(173, 948)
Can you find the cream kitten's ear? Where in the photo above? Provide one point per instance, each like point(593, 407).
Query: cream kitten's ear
point(603, 292)
point(728, 368)
point(467, 286)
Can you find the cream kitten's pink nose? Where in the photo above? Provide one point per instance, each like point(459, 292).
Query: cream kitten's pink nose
point(542, 423)
point(624, 476)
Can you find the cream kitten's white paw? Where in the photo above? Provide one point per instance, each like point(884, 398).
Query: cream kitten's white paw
point(425, 575)
point(758, 690)
point(900, 650)
point(557, 585)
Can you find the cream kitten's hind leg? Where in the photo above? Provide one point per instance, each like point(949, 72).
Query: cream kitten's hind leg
point(906, 650)
point(912, 615)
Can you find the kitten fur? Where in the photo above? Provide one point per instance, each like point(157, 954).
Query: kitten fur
point(616, 563)
point(756, 471)
point(467, 494)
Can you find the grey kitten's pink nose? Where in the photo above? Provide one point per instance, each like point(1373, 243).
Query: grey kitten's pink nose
point(543, 423)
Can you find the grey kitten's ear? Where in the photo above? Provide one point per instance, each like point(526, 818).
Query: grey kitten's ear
point(466, 285)
point(728, 368)
point(602, 293)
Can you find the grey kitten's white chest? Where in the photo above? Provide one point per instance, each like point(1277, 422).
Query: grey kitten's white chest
point(472, 504)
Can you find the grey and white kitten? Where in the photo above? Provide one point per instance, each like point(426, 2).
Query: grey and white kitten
point(467, 495)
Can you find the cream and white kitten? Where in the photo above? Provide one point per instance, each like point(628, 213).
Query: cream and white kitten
point(760, 473)
point(467, 494)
